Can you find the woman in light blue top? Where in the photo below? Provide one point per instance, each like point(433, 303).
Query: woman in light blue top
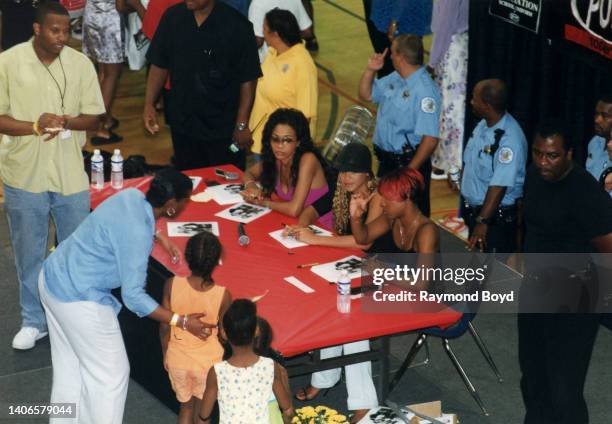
point(109, 250)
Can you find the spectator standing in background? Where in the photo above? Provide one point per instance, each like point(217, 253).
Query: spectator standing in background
point(449, 59)
point(257, 14)
point(213, 68)
point(289, 76)
point(103, 43)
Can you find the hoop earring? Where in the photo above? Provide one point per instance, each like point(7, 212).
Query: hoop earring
point(170, 212)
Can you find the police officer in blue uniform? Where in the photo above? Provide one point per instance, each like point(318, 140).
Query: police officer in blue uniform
point(407, 121)
point(494, 163)
point(598, 159)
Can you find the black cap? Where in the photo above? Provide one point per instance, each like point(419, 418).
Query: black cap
point(354, 157)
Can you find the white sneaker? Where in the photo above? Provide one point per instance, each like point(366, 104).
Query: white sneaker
point(27, 337)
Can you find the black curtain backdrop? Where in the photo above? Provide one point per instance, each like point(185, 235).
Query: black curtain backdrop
point(547, 77)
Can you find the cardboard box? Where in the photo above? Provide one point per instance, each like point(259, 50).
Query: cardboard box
point(431, 409)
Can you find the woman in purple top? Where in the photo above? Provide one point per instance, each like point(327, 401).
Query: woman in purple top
point(291, 167)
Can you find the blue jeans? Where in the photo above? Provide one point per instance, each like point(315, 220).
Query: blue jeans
point(28, 219)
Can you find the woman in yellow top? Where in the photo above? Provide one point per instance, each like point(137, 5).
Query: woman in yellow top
point(289, 75)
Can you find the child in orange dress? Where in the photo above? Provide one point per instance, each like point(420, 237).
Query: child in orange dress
point(188, 358)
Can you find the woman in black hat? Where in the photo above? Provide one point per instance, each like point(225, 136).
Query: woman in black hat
point(356, 178)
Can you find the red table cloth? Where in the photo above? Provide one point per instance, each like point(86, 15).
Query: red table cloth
point(301, 321)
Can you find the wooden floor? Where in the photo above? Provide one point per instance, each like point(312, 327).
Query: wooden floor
point(344, 49)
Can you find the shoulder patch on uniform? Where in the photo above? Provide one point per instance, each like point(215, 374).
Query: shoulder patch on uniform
point(428, 105)
point(506, 155)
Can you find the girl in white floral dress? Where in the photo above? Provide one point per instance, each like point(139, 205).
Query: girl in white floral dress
point(244, 383)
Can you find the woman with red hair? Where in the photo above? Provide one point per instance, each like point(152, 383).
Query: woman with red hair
point(411, 230)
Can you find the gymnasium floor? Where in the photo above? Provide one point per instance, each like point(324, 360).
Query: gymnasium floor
point(344, 50)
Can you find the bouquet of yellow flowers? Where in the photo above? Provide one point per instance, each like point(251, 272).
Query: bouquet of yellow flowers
point(318, 415)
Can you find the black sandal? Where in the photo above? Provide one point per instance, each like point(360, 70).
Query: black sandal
point(100, 141)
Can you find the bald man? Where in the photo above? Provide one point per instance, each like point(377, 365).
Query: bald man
point(494, 164)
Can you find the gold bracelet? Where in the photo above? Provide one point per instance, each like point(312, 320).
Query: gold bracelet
point(253, 182)
point(35, 128)
point(174, 320)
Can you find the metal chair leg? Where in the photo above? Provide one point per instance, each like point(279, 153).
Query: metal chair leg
point(485, 351)
point(416, 346)
point(424, 361)
point(464, 376)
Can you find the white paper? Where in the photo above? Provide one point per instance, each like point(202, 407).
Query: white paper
point(195, 181)
point(297, 283)
point(226, 194)
point(291, 243)
point(243, 212)
point(331, 271)
point(201, 197)
point(188, 229)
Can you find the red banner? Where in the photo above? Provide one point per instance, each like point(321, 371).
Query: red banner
point(582, 37)
point(74, 7)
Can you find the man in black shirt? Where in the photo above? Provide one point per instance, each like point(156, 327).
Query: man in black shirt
point(566, 211)
point(210, 53)
point(16, 22)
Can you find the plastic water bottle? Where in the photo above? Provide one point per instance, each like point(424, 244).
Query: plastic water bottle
point(343, 301)
point(116, 170)
point(354, 127)
point(455, 175)
point(97, 170)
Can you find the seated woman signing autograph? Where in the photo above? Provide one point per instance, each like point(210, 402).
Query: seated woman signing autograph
point(291, 167)
point(356, 178)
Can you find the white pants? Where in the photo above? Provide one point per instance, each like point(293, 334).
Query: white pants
point(90, 365)
point(359, 384)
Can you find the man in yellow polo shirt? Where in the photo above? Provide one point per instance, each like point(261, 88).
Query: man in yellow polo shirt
point(49, 97)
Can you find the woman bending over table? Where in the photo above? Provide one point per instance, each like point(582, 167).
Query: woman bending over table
point(291, 167)
point(109, 250)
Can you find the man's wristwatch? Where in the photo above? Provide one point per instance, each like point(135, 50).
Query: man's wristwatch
point(241, 126)
point(480, 220)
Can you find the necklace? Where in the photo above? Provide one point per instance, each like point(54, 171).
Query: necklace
point(61, 93)
point(401, 230)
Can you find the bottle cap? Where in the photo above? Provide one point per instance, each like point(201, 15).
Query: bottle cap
point(344, 273)
point(117, 152)
point(96, 151)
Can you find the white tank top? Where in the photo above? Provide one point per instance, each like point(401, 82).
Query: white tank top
point(243, 393)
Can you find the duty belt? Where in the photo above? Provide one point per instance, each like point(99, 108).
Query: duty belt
point(503, 214)
point(395, 160)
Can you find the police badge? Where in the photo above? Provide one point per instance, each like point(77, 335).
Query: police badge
point(506, 155)
point(428, 105)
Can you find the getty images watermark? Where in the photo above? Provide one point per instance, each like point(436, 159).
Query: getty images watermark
point(487, 283)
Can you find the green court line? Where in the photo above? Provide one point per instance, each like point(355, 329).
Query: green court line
point(345, 10)
point(333, 114)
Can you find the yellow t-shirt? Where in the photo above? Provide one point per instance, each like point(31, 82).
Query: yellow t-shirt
point(289, 81)
point(27, 90)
